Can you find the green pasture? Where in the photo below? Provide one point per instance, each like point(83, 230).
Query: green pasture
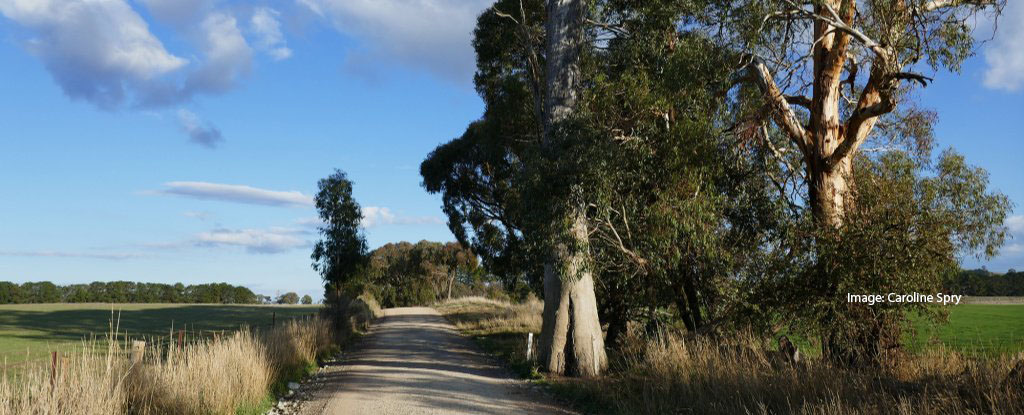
point(983, 329)
point(32, 331)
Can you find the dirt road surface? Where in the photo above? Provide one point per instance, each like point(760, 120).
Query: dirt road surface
point(414, 362)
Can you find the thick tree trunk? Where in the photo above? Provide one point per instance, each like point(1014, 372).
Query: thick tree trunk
point(571, 341)
point(830, 192)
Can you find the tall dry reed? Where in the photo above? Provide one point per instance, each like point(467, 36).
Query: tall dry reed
point(204, 376)
point(87, 382)
point(207, 377)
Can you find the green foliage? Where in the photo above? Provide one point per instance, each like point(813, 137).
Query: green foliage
point(405, 274)
point(695, 211)
point(288, 298)
point(980, 282)
point(341, 252)
point(908, 228)
point(125, 292)
point(306, 299)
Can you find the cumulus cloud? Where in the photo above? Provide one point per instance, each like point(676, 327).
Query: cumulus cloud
point(265, 25)
point(237, 193)
point(433, 34)
point(228, 56)
point(104, 52)
point(198, 132)
point(95, 50)
point(260, 241)
point(117, 256)
point(1005, 54)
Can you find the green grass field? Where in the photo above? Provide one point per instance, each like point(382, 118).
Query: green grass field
point(32, 331)
point(977, 329)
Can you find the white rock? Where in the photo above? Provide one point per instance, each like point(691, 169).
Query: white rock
point(293, 385)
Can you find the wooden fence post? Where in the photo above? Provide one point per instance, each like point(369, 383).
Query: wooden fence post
point(138, 351)
point(53, 371)
point(529, 346)
point(273, 320)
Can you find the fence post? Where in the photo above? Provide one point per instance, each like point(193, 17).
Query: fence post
point(138, 351)
point(53, 371)
point(273, 320)
point(529, 346)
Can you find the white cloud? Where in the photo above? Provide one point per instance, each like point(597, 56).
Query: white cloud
point(95, 50)
point(200, 133)
point(261, 241)
point(103, 51)
point(237, 193)
point(177, 12)
point(433, 34)
point(1011, 255)
point(267, 28)
point(1015, 224)
point(1005, 54)
point(312, 222)
point(66, 254)
point(228, 56)
point(195, 214)
point(375, 216)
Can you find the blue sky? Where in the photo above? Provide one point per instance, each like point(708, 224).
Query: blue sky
point(181, 140)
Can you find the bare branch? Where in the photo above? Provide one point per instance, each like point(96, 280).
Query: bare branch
point(757, 72)
point(618, 30)
point(875, 100)
point(921, 79)
point(799, 100)
point(933, 5)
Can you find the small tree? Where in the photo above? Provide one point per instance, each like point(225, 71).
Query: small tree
point(288, 298)
point(341, 253)
point(307, 300)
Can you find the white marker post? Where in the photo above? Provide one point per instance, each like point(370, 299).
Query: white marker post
point(529, 346)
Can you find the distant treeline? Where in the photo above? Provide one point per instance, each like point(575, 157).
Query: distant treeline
point(126, 292)
point(981, 282)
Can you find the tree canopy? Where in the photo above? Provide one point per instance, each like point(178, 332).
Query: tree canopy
point(341, 252)
point(739, 164)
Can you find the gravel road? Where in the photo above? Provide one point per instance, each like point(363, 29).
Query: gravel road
point(414, 362)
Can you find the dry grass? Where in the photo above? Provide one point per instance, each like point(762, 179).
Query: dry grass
point(89, 382)
point(222, 375)
point(668, 374)
point(480, 315)
point(211, 377)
